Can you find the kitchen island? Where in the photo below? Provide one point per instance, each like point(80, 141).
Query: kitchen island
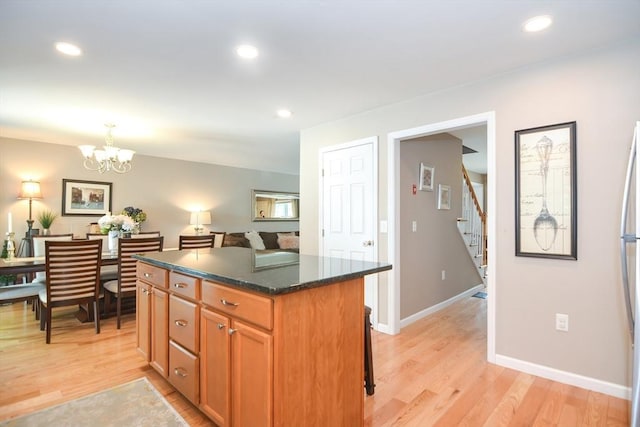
point(255, 338)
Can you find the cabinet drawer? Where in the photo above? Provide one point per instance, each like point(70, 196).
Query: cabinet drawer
point(184, 372)
point(184, 320)
point(242, 305)
point(151, 274)
point(184, 285)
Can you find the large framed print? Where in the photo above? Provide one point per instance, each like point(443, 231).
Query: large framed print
point(85, 198)
point(546, 201)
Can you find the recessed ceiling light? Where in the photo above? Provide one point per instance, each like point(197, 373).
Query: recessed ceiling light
point(68, 49)
point(283, 113)
point(247, 51)
point(537, 23)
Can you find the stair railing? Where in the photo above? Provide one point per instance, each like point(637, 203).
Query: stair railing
point(474, 219)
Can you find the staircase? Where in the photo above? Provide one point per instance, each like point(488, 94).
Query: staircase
point(473, 227)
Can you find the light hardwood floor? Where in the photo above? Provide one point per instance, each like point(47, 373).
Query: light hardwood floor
point(433, 373)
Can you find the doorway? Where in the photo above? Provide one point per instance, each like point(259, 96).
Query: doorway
point(393, 157)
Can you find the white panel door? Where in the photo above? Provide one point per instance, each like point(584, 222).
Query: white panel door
point(349, 207)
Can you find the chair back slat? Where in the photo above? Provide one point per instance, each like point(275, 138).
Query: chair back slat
point(145, 234)
point(196, 241)
point(127, 264)
point(73, 270)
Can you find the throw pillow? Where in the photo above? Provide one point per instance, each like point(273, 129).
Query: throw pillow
point(230, 240)
point(255, 239)
point(288, 242)
point(270, 239)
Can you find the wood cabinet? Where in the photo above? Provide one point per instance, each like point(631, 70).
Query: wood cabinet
point(252, 359)
point(152, 306)
point(159, 331)
point(143, 319)
point(215, 360)
point(251, 375)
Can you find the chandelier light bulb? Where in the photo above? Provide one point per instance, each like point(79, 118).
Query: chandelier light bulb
point(110, 158)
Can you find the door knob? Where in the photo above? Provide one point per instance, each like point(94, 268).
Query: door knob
point(367, 243)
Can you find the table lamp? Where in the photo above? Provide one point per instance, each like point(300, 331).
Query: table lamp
point(29, 190)
point(198, 219)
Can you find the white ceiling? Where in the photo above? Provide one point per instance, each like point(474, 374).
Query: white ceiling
point(165, 72)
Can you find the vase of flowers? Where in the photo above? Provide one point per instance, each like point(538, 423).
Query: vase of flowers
point(114, 226)
point(137, 215)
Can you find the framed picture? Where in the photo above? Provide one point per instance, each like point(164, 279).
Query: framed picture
point(444, 196)
point(426, 177)
point(546, 201)
point(85, 198)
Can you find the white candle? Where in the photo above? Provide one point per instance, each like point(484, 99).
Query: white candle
point(10, 225)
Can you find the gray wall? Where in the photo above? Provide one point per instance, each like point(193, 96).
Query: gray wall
point(599, 91)
point(165, 189)
point(436, 245)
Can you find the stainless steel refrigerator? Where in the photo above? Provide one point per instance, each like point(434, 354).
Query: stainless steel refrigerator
point(629, 256)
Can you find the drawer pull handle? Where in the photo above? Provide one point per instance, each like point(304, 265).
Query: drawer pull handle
point(180, 372)
point(232, 331)
point(229, 303)
point(180, 285)
point(181, 322)
point(148, 275)
point(220, 326)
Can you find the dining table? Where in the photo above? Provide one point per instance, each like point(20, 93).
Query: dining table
point(31, 265)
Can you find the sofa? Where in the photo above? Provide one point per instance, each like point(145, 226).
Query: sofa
point(282, 240)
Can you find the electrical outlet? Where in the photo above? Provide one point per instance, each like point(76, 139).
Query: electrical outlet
point(562, 322)
point(444, 274)
point(414, 226)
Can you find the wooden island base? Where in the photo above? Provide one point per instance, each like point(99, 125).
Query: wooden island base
point(251, 359)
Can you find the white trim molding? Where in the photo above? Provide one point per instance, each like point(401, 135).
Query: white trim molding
point(435, 308)
point(564, 377)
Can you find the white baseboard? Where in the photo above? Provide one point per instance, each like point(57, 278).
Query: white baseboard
point(434, 308)
point(564, 377)
point(383, 327)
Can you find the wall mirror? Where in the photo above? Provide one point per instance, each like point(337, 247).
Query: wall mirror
point(275, 205)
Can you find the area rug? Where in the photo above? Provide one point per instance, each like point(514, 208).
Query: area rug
point(482, 295)
point(136, 403)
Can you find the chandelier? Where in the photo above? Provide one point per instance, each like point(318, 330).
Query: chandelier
point(110, 158)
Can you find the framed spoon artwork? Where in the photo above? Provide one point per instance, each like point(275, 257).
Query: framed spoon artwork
point(546, 221)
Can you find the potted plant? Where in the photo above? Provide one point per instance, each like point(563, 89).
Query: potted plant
point(46, 218)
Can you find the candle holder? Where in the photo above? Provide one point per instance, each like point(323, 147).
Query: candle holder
point(10, 245)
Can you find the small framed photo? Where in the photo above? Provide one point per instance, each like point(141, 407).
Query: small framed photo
point(546, 200)
point(85, 198)
point(444, 197)
point(426, 177)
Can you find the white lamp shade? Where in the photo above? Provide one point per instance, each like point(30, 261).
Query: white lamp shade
point(200, 218)
point(87, 150)
point(30, 190)
point(125, 155)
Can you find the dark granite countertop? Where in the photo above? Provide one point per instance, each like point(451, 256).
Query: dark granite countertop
point(271, 272)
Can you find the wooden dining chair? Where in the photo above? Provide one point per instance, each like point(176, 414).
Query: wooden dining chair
point(125, 285)
point(196, 241)
point(219, 238)
point(73, 277)
point(39, 250)
point(107, 272)
point(23, 292)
